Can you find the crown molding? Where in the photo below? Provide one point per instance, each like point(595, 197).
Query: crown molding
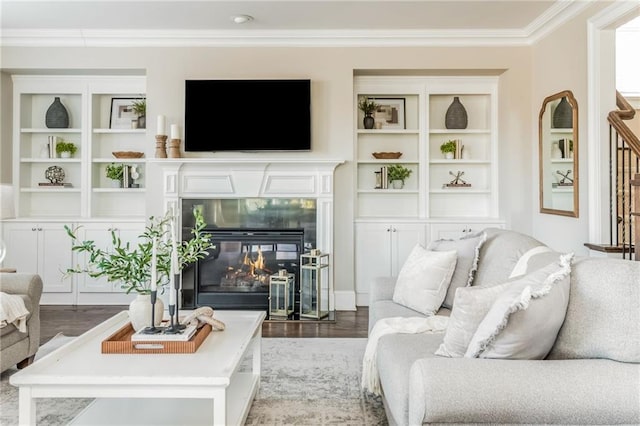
point(553, 18)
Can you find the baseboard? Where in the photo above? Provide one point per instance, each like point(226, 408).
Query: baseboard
point(345, 301)
point(362, 299)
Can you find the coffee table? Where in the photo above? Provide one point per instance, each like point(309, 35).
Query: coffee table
point(209, 386)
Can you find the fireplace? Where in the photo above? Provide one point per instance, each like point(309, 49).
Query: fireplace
point(235, 274)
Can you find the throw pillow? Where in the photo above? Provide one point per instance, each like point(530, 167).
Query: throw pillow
point(523, 322)
point(468, 249)
point(472, 304)
point(424, 278)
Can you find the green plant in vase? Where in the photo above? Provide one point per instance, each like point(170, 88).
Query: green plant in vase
point(448, 149)
point(66, 149)
point(139, 107)
point(130, 263)
point(397, 174)
point(115, 172)
point(367, 106)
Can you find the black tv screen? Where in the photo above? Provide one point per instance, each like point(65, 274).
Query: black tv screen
point(247, 115)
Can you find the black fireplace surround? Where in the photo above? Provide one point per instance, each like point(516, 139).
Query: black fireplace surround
point(235, 274)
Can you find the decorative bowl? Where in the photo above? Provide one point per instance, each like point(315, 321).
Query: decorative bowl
point(127, 154)
point(387, 155)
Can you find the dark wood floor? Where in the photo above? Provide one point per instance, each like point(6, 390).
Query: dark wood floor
point(75, 320)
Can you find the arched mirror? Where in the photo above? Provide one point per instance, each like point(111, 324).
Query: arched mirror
point(558, 154)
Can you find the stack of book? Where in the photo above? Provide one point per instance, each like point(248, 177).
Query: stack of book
point(181, 336)
point(382, 178)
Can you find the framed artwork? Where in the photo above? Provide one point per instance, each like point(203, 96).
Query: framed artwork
point(390, 113)
point(122, 113)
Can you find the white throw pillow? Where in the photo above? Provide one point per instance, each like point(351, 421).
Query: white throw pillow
point(424, 278)
point(472, 304)
point(523, 323)
point(468, 251)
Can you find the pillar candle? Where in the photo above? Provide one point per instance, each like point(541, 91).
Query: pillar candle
point(154, 262)
point(175, 267)
point(175, 131)
point(161, 125)
point(172, 290)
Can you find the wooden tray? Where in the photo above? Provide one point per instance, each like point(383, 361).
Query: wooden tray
point(120, 343)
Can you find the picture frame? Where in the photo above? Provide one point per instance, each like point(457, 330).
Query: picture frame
point(390, 113)
point(122, 113)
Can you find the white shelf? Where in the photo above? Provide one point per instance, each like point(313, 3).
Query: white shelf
point(120, 131)
point(462, 161)
point(50, 189)
point(392, 161)
point(47, 130)
point(388, 131)
point(389, 191)
point(459, 131)
point(50, 160)
point(562, 160)
point(119, 190)
point(457, 191)
point(120, 160)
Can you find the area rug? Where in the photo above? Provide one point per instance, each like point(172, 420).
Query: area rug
point(304, 381)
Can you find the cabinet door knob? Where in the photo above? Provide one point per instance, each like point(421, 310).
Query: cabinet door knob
point(39, 229)
point(393, 229)
point(34, 229)
point(388, 229)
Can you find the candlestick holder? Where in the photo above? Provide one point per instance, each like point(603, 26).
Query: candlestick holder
point(152, 329)
point(173, 328)
point(176, 284)
point(174, 148)
point(161, 148)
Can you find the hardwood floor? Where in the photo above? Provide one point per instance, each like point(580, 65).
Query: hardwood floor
point(75, 320)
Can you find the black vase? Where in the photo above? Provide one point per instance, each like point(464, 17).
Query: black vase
point(368, 121)
point(456, 116)
point(563, 115)
point(57, 116)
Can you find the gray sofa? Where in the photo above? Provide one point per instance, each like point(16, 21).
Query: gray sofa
point(16, 347)
point(582, 381)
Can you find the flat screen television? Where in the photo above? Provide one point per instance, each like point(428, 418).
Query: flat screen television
point(247, 115)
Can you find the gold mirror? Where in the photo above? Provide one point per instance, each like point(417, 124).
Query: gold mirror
point(558, 154)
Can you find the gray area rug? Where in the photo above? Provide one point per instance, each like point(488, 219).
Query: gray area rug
point(305, 381)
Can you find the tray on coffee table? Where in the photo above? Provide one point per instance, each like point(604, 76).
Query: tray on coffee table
point(120, 343)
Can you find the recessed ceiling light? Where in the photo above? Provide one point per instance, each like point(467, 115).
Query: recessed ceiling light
point(241, 19)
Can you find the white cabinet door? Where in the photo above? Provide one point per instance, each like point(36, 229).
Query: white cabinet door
point(454, 230)
point(43, 249)
point(381, 250)
point(101, 234)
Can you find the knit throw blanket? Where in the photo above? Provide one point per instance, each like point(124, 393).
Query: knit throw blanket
point(13, 311)
point(370, 378)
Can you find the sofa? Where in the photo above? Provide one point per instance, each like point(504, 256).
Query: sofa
point(17, 347)
point(590, 376)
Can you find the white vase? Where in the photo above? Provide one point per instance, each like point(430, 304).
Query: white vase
point(397, 184)
point(448, 155)
point(140, 312)
point(65, 154)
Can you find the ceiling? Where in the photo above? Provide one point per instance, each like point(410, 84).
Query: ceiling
point(346, 22)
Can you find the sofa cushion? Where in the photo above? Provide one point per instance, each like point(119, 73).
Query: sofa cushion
point(524, 321)
point(603, 316)
point(468, 252)
point(472, 304)
point(424, 278)
point(500, 253)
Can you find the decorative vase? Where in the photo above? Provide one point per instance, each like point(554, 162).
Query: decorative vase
point(116, 183)
point(563, 115)
point(65, 154)
point(555, 151)
point(142, 122)
point(368, 121)
point(397, 184)
point(448, 155)
point(57, 116)
point(140, 312)
point(456, 116)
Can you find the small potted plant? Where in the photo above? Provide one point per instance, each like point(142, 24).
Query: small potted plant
point(140, 108)
point(115, 172)
point(397, 173)
point(448, 149)
point(66, 149)
point(368, 106)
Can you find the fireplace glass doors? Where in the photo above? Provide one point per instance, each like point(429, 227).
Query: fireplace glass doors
point(235, 274)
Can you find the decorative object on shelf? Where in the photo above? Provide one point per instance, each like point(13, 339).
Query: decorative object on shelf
point(387, 155)
point(135, 175)
point(161, 125)
point(566, 180)
point(131, 263)
point(161, 146)
point(140, 109)
point(390, 112)
point(174, 148)
point(281, 294)
point(57, 116)
point(115, 172)
point(556, 153)
point(448, 149)
point(563, 115)
point(456, 116)
point(128, 154)
point(53, 142)
point(140, 311)
point(465, 153)
point(396, 174)
point(54, 174)
point(367, 106)
point(44, 151)
point(123, 113)
point(66, 149)
point(457, 181)
point(314, 284)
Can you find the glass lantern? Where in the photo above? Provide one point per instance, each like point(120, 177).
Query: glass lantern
point(314, 285)
point(281, 294)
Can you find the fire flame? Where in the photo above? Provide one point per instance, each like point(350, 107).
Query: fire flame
point(258, 263)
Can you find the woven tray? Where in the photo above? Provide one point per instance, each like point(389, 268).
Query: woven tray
point(387, 155)
point(127, 154)
point(120, 343)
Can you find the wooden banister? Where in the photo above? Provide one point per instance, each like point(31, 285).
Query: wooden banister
point(624, 112)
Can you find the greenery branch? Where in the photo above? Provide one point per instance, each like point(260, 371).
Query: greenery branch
point(448, 146)
point(131, 264)
point(367, 105)
point(64, 146)
point(398, 172)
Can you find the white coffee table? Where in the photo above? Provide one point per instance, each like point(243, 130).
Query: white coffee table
point(205, 387)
